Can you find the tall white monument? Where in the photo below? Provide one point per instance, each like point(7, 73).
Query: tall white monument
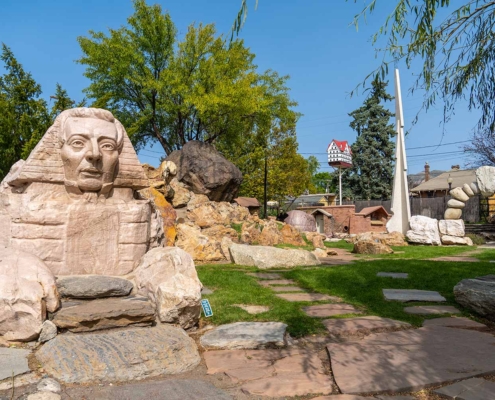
point(400, 192)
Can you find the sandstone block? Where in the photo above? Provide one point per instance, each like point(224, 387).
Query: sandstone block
point(485, 178)
point(291, 235)
point(424, 230)
point(181, 194)
point(369, 247)
point(455, 240)
point(199, 246)
point(167, 276)
point(451, 227)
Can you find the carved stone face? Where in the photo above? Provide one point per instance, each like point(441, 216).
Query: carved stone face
point(90, 152)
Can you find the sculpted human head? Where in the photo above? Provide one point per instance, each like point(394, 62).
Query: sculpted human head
point(91, 143)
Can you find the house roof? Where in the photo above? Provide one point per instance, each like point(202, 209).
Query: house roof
point(247, 202)
point(370, 210)
point(319, 210)
point(312, 198)
point(341, 144)
point(459, 178)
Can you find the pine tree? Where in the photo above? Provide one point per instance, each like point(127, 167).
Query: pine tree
point(373, 151)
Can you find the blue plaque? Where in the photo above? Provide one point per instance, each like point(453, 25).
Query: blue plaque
point(206, 308)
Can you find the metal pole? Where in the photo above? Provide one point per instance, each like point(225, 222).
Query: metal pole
point(340, 186)
point(265, 200)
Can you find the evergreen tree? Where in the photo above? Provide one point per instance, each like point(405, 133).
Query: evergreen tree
point(373, 151)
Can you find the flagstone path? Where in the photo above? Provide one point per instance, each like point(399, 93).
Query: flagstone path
point(330, 310)
point(471, 389)
point(296, 297)
point(431, 310)
point(406, 295)
point(362, 325)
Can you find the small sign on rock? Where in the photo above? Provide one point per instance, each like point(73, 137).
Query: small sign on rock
point(205, 304)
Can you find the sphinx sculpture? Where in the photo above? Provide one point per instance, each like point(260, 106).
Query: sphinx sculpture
point(74, 206)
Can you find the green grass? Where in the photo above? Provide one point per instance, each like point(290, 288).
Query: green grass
point(424, 252)
point(356, 284)
point(339, 245)
point(235, 287)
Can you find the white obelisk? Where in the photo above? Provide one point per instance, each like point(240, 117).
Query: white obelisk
point(400, 192)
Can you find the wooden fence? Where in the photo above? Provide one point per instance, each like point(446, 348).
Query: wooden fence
point(433, 207)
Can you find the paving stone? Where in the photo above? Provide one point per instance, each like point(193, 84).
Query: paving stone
point(245, 335)
point(13, 361)
point(308, 297)
point(395, 398)
point(430, 310)
point(277, 282)
point(471, 389)
point(287, 289)
point(119, 355)
point(329, 310)
point(262, 275)
point(251, 309)
point(453, 322)
point(274, 373)
point(205, 290)
point(174, 389)
point(93, 286)
point(362, 325)
point(114, 312)
point(406, 295)
point(411, 360)
point(43, 396)
point(342, 397)
point(396, 275)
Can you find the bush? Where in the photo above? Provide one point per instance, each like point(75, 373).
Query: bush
point(477, 239)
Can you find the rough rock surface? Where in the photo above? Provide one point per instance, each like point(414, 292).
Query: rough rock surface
point(27, 289)
point(454, 240)
point(92, 286)
point(477, 294)
point(49, 385)
point(411, 360)
point(277, 373)
point(302, 221)
point(199, 246)
point(270, 235)
point(44, 396)
point(369, 247)
point(485, 177)
point(451, 227)
point(120, 355)
point(270, 257)
point(167, 276)
point(116, 312)
point(245, 335)
point(291, 235)
point(205, 171)
point(390, 239)
point(424, 230)
point(48, 331)
point(316, 239)
point(13, 362)
point(181, 195)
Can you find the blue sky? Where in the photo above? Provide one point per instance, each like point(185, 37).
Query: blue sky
point(312, 41)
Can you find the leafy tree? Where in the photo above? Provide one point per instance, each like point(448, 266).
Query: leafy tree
point(373, 152)
point(201, 88)
point(323, 182)
point(24, 114)
point(455, 46)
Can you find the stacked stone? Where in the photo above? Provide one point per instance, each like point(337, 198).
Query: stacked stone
point(425, 230)
point(452, 232)
point(460, 195)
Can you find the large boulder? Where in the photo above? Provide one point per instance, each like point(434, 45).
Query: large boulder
point(451, 227)
point(316, 239)
point(291, 235)
point(265, 257)
point(371, 247)
point(27, 290)
point(198, 245)
point(424, 230)
point(250, 233)
point(302, 221)
point(485, 177)
point(477, 294)
point(205, 171)
point(167, 276)
point(270, 235)
point(389, 239)
point(456, 241)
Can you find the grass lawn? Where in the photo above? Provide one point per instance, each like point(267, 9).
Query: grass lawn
point(356, 284)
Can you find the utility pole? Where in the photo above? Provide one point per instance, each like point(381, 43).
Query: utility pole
point(265, 200)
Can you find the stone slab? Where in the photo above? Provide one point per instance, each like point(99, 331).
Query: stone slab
point(13, 361)
point(245, 335)
point(396, 275)
point(261, 275)
point(411, 360)
point(329, 310)
point(116, 312)
point(453, 322)
point(362, 325)
point(92, 286)
point(406, 295)
point(308, 297)
point(287, 289)
point(431, 310)
point(174, 389)
point(277, 282)
point(342, 397)
point(471, 389)
point(395, 398)
point(276, 373)
point(120, 355)
point(252, 309)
